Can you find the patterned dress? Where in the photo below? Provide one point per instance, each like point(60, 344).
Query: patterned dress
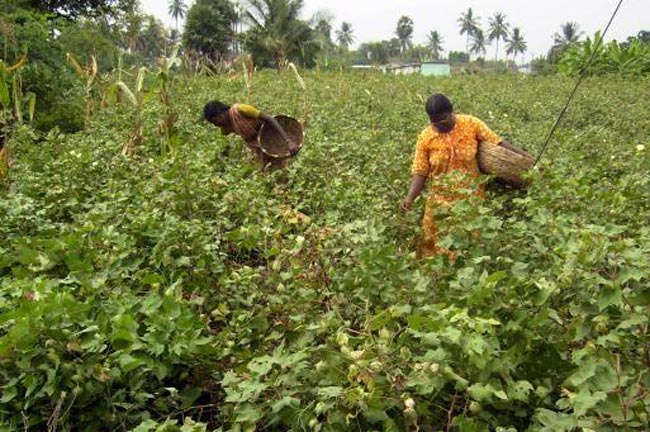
point(436, 156)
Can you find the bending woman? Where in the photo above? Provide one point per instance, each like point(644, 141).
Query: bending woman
point(246, 121)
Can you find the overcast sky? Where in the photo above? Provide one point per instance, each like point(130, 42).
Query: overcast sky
point(538, 20)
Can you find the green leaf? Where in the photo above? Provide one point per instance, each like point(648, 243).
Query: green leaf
point(520, 390)
point(8, 394)
point(4, 94)
point(400, 310)
point(390, 426)
point(124, 335)
point(190, 395)
point(453, 334)
point(285, 402)
point(556, 422)
point(582, 374)
point(480, 392)
point(31, 104)
point(330, 392)
point(145, 426)
point(375, 415)
point(586, 400)
point(129, 94)
point(260, 367)
point(609, 296)
point(546, 289)
point(633, 320)
point(477, 345)
point(190, 425)
point(128, 362)
point(381, 320)
point(496, 277)
point(259, 323)
point(139, 81)
point(229, 379)
point(247, 414)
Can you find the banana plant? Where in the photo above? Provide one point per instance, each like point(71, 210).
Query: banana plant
point(165, 81)
point(611, 58)
point(109, 90)
point(89, 74)
point(12, 105)
point(136, 97)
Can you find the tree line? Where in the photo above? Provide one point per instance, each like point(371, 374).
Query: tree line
point(118, 35)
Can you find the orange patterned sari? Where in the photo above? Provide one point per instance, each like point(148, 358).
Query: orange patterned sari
point(436, 156)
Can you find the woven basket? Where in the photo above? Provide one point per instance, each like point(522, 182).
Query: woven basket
point(503, 163)
point(272, 143)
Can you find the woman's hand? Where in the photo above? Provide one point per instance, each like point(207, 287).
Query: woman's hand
point(417, 184)
point(406, 204)
point(293, 148)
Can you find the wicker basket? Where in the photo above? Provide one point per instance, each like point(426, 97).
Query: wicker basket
point(507, 164)
point(272, 143)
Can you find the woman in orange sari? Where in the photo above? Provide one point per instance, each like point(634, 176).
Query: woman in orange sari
point(246, 121)
point(445, 154)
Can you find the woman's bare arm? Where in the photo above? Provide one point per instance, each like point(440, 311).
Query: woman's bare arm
point(417, 185)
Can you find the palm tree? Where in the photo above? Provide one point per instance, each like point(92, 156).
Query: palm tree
point(468, 25)
point(394, 47)
point(238, 25)
point(478, 43)
point(134, 21)
point(516, 44)
point(376, 52)
point(569, 35)
point(325, 29)
point(152, 40)
point(276, 29)
point(498, 29)
point(323, 35)
point(177, 9)
point(344, 36)
point(404, 33)
point(644, 36)
point(434, 44)
point(209, 28)
point(322, 24)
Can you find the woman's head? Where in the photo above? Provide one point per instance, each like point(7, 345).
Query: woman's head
point(216, 112)
point(441, 112)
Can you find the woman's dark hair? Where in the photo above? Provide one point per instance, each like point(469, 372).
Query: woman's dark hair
point(213, 109)
point(438, 106)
